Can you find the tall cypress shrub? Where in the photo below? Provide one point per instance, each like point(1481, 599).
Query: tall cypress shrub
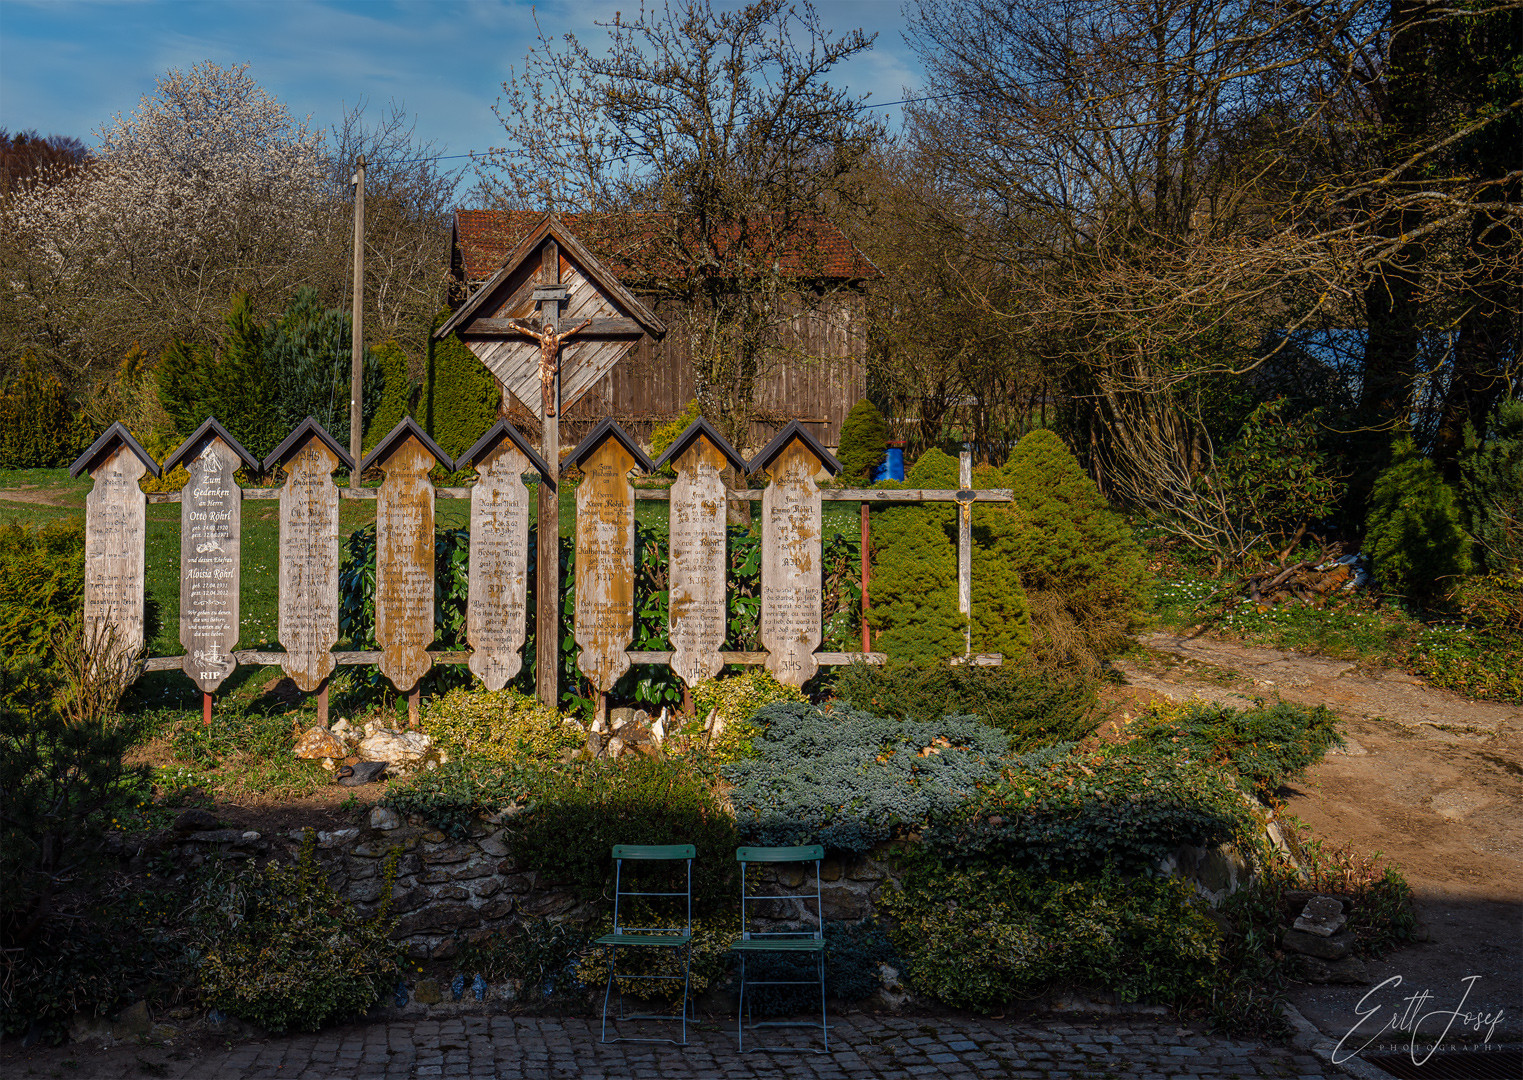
point(914, 583)
point(460, 398)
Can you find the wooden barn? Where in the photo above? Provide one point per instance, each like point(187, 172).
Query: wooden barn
point(632, 363)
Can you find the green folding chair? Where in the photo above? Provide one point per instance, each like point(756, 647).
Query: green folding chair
point(794, 942)
point(649, 937)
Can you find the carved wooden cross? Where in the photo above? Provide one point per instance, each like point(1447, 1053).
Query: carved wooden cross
point(550, 339)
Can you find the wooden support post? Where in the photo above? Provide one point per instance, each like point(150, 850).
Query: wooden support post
point(414, 699)
point(867, 635)
point(965, 545)
point(600, 716)
point(547, 610)
point(206, 708)
point(357, 348)
point(322, 705)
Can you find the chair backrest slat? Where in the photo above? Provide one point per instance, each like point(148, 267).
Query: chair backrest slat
point(814, 853)
point(652, 853)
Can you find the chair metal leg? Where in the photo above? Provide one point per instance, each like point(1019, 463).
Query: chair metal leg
point(613, 965)
point(824, 1025)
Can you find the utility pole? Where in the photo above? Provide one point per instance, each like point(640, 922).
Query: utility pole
point(357, 354)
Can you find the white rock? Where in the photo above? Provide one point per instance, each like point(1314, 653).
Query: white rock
point(400, 748)
point(658, 729)
point(383, 818)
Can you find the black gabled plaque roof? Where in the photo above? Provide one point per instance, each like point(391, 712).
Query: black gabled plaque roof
point(607, 429)
point(209, 429)
point(493, 438)
point(550, 226)
point(690, 435)
point(307, 429)
point(114, 436)
point(398, 434)
point(794, 430)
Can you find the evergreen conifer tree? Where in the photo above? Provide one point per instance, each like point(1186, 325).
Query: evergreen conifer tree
point(1412, 531)
point(864, 440)
point(1084, 572)
point(1491, 487)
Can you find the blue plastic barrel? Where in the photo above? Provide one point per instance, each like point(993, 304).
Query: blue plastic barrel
point(892, 466)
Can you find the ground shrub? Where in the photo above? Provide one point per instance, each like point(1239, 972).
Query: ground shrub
point(853, 951)
point(366, 686)
point(1375, 894)
point(1491, 488)
point(1413, 533)
point(42, 583)
point(542, 955)
point(1275, 478)
point(848, 779)
point(501, 725)
point(459, 398)
point(1084, 574)
point(453, 796)
point(711, 957)
point(735, 699)
point(864, 441)
point(1058, 813)
point(1265, 746)
point(1035, 708)
point(38, 428)
point(981, 938)
point(582, 810)
point(60, 774)
point(294, 954)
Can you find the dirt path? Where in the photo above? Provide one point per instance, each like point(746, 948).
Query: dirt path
point(1431, 779)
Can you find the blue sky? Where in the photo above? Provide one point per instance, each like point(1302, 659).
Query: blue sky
point(66, 66)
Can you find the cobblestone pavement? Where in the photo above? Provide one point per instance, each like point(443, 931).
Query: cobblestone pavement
point(861, 1046)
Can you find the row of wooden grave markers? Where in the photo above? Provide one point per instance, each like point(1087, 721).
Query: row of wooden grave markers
point(497, 599)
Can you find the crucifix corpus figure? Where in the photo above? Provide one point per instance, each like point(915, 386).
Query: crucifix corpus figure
point(549, 351)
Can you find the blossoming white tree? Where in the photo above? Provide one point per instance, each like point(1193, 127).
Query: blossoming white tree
point(209, 188)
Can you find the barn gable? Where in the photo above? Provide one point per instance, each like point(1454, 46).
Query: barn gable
point(609, 318)
point(645, 379)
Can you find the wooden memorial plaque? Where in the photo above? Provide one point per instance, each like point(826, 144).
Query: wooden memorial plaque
point(404, 535)
point(791, 610)
point(115, 528)
point(496, 613)
point(211, 530)
point(696, 612)
point(308, 615)
point(605, 552)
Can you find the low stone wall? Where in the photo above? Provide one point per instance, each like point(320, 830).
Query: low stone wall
point(450, 889)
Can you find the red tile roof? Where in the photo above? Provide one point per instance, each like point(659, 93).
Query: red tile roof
point(812, 248)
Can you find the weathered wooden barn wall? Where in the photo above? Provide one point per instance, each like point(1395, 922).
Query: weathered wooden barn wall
point(816, 382)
